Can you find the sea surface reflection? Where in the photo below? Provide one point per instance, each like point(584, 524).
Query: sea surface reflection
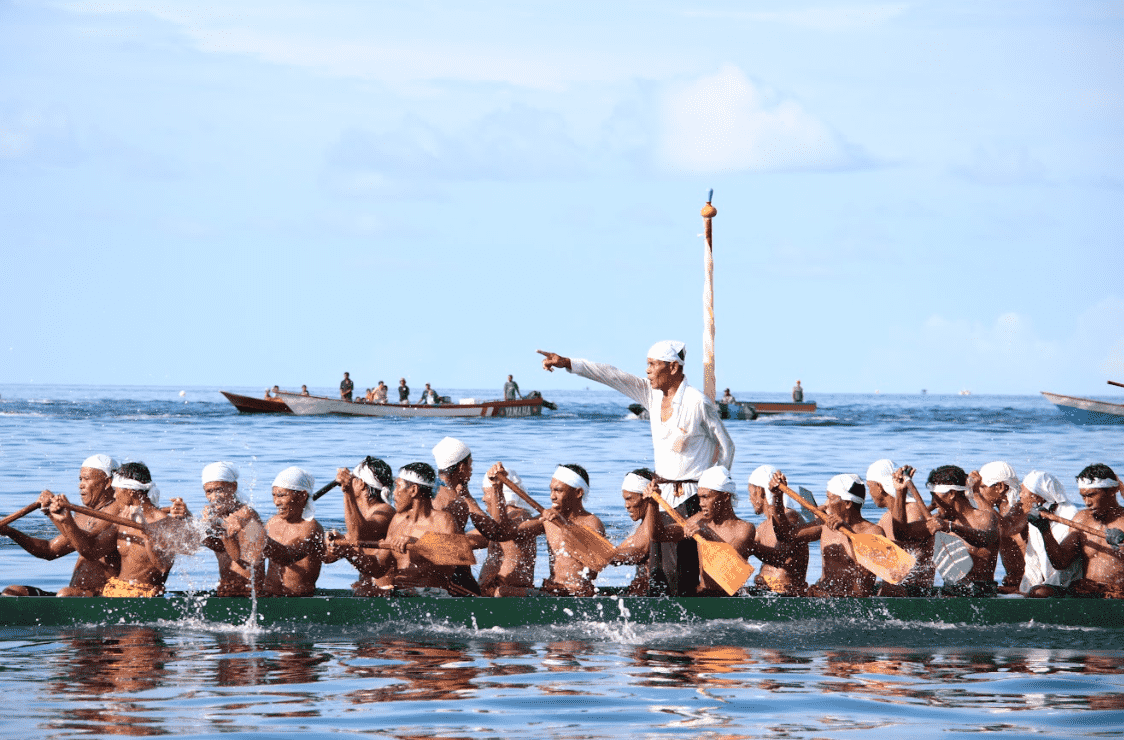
point(160, 680)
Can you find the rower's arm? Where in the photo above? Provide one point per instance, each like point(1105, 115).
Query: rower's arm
point(987, 537)
point(90, 545)
point(496, 530)
point(638, 389)
point(40, 548)
point(635, 548)
point(1062, 554)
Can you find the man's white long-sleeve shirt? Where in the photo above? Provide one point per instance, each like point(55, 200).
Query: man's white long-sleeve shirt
point(690, 441)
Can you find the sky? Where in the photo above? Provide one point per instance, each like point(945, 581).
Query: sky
point(910, 195)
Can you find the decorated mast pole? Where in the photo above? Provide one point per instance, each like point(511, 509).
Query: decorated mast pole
point(708, 213)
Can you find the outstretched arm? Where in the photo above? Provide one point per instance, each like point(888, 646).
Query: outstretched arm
point(630, 385)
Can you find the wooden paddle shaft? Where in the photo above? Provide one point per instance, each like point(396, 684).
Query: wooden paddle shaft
point(520, 492)
point(672, 512)
point(1113, 382)
point(112, 519)
point(21, 513)
point(1069, 523)
point(325, 489)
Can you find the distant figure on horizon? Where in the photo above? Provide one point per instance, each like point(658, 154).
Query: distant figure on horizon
point(346, 387)
point(403, 391)
point(797, 393)
point(511, 390)
point(428, 396)
point(304, 390)
point(728, 397)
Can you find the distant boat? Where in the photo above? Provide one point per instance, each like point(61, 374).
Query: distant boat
point(1086, 410)
point(752, 409)
point(530, 405)
point(251, 405)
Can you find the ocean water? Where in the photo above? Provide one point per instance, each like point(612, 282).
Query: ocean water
point(727, 679)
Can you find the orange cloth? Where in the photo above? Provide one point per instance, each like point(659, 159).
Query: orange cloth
point(116, 588)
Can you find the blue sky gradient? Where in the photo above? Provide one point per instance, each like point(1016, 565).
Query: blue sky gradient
point(914, 195)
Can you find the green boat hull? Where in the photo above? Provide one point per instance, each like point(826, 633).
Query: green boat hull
point(340, 608)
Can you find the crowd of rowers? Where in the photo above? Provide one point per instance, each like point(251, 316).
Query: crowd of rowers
point(407, 532)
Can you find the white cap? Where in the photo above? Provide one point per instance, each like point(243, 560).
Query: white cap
point(449, 451)
point(882, 473)
point(104, 463)
point(841, 486)
point(225, 472)
point(667, 351)
point(761, 476)
point(1046, 486)
point(296, 479)
point(1001, 472)
point(717, 479)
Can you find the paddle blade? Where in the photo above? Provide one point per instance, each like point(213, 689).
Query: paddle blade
point(587, 547)
point(951, 556)
point(444, 549)
point(807, 514)
point(721, 562)
point(882, 557)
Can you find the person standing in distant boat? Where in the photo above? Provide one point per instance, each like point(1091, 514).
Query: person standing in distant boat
point(687, 437)
point(304, 390)
point(380, 393)
point(346, 387)
point(428, 396)
point(403, 391)
point(728, 397)
point(511, 390)
point(797, 393)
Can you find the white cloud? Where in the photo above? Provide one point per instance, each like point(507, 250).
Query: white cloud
point(726, 123)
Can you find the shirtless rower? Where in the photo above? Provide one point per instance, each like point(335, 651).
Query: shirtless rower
point(996, 485)
point(144, 564)
point(782, 539)
point(636, 548)
point(979, 528)
point(295, 540)
point(1104, 560)
point(414, 517)
point(892, 488)
point(367, 514)
point(95, 479)
point(509, 569)
point(842, 574)
point(1040, 578)
point(715, 521)
point(234, 532)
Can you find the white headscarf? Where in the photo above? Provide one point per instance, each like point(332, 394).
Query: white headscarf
point(1001, 472)
point(718, 478)
point(223, 472)
point(297, 479)
point(667, 351)
point(104, 463)
point(882, 473)
point(364, 473)
point(570, 478)
point(842, 484)
point(448, 452)
point(761, 476)
point(1046, 486)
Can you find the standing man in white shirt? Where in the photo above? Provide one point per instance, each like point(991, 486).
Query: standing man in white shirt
point(687, 436)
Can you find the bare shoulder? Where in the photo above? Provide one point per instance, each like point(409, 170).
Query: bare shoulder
point(866, 527)
point(445, 522)
point(590, 521)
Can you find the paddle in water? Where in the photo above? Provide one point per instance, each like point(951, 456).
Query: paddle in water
point(589, 548)
point(439, 549)
point(874, 552)
point(718, 559)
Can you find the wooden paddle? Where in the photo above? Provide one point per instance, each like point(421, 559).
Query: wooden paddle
point(111, 518)
point(875, 553)
point(951, 556)
point(1113, 382)
point(170, 533)
point(19, 514)
point(439, 549)
point(1079, 527)
point(325, 489)
point(589, 548)
point(718, 559)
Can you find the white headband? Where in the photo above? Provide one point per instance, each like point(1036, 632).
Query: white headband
point(1097, 483)
point(944, 487)
point(841, 486)
point(634, 483)
point(135, 485)
point(570, 478)
point(718, 478)
point(411, 476)
point(104, 463)
point(365, 474)
point(667, 351)
point(221, 472)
